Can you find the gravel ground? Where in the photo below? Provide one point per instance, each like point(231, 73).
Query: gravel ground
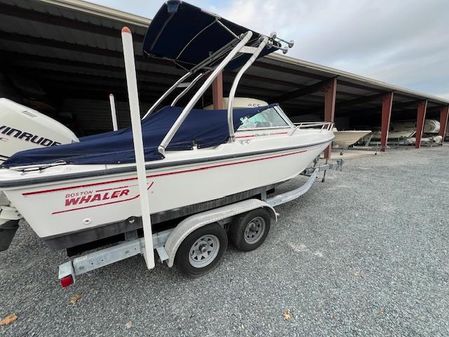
point(364, 254)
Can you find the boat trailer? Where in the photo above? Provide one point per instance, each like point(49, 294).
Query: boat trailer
point(167, 242)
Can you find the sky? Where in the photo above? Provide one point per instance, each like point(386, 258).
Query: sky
point(405, 43)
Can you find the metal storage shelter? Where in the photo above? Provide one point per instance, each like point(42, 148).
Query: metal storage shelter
point(65, 57)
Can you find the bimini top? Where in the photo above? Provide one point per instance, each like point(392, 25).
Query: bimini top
point(202, 128)
point(189, 36)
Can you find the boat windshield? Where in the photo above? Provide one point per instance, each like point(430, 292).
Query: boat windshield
point(268, 118)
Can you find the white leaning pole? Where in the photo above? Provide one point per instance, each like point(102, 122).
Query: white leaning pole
point(128, 52)
point(113, 112)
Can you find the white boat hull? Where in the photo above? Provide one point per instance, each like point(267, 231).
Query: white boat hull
point(67, 206)
point(345, 139)
point(395, 135)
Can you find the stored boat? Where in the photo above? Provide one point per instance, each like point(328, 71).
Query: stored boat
point(195, 159)
point(401, 130)
point(346, 138)
point(431, 126)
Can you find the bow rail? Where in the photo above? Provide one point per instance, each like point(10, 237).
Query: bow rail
point(325, 126)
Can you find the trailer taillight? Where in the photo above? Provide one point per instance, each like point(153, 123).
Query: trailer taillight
point(66, 281)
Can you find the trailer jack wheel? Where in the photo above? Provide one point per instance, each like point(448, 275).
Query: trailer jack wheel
point(251, 229)
point(202, 250)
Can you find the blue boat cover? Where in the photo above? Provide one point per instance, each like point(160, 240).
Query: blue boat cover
point(188, 35)
point(203, 128)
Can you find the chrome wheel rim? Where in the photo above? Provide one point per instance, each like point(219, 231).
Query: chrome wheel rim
point(254, 230)
point(204, 251)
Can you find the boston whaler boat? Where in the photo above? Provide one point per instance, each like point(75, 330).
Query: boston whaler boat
point(206, 168)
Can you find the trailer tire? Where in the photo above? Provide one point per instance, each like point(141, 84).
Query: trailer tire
point(202, 250)
point(250, 229)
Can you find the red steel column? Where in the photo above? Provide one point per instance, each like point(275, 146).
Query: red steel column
point(330, 94)
point(387, 104)
point(420, 119)
point(444, 113)
point(217, 92)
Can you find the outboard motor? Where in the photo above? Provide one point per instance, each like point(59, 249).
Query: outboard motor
point(22, 128)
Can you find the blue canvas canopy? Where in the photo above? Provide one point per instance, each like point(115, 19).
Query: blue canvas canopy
point(188, 35)
point(203, 128)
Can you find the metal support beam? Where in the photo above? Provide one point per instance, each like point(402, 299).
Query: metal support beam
point(229, 77)
point(61, 22)
point(330, 94)
point(444, 114)
point(387, 103)
point(217, 92)
point(267, 64)
point(36, 61)
point(420, 119)
point(406, 105)
point(75, 47)
point(302, 91)
point(116, 78)
point(156, 71)
point(360, 101)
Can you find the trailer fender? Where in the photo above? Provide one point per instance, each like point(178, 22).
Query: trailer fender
point(192, 223)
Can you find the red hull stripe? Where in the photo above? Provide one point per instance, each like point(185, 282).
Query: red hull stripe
point(255, 135)
point(114, 188)
point(224, 164)
point(166, 173)
point(78, 186)
point(106, 203)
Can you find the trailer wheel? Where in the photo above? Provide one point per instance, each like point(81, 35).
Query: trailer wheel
point(250, 229)
point(202, 250)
